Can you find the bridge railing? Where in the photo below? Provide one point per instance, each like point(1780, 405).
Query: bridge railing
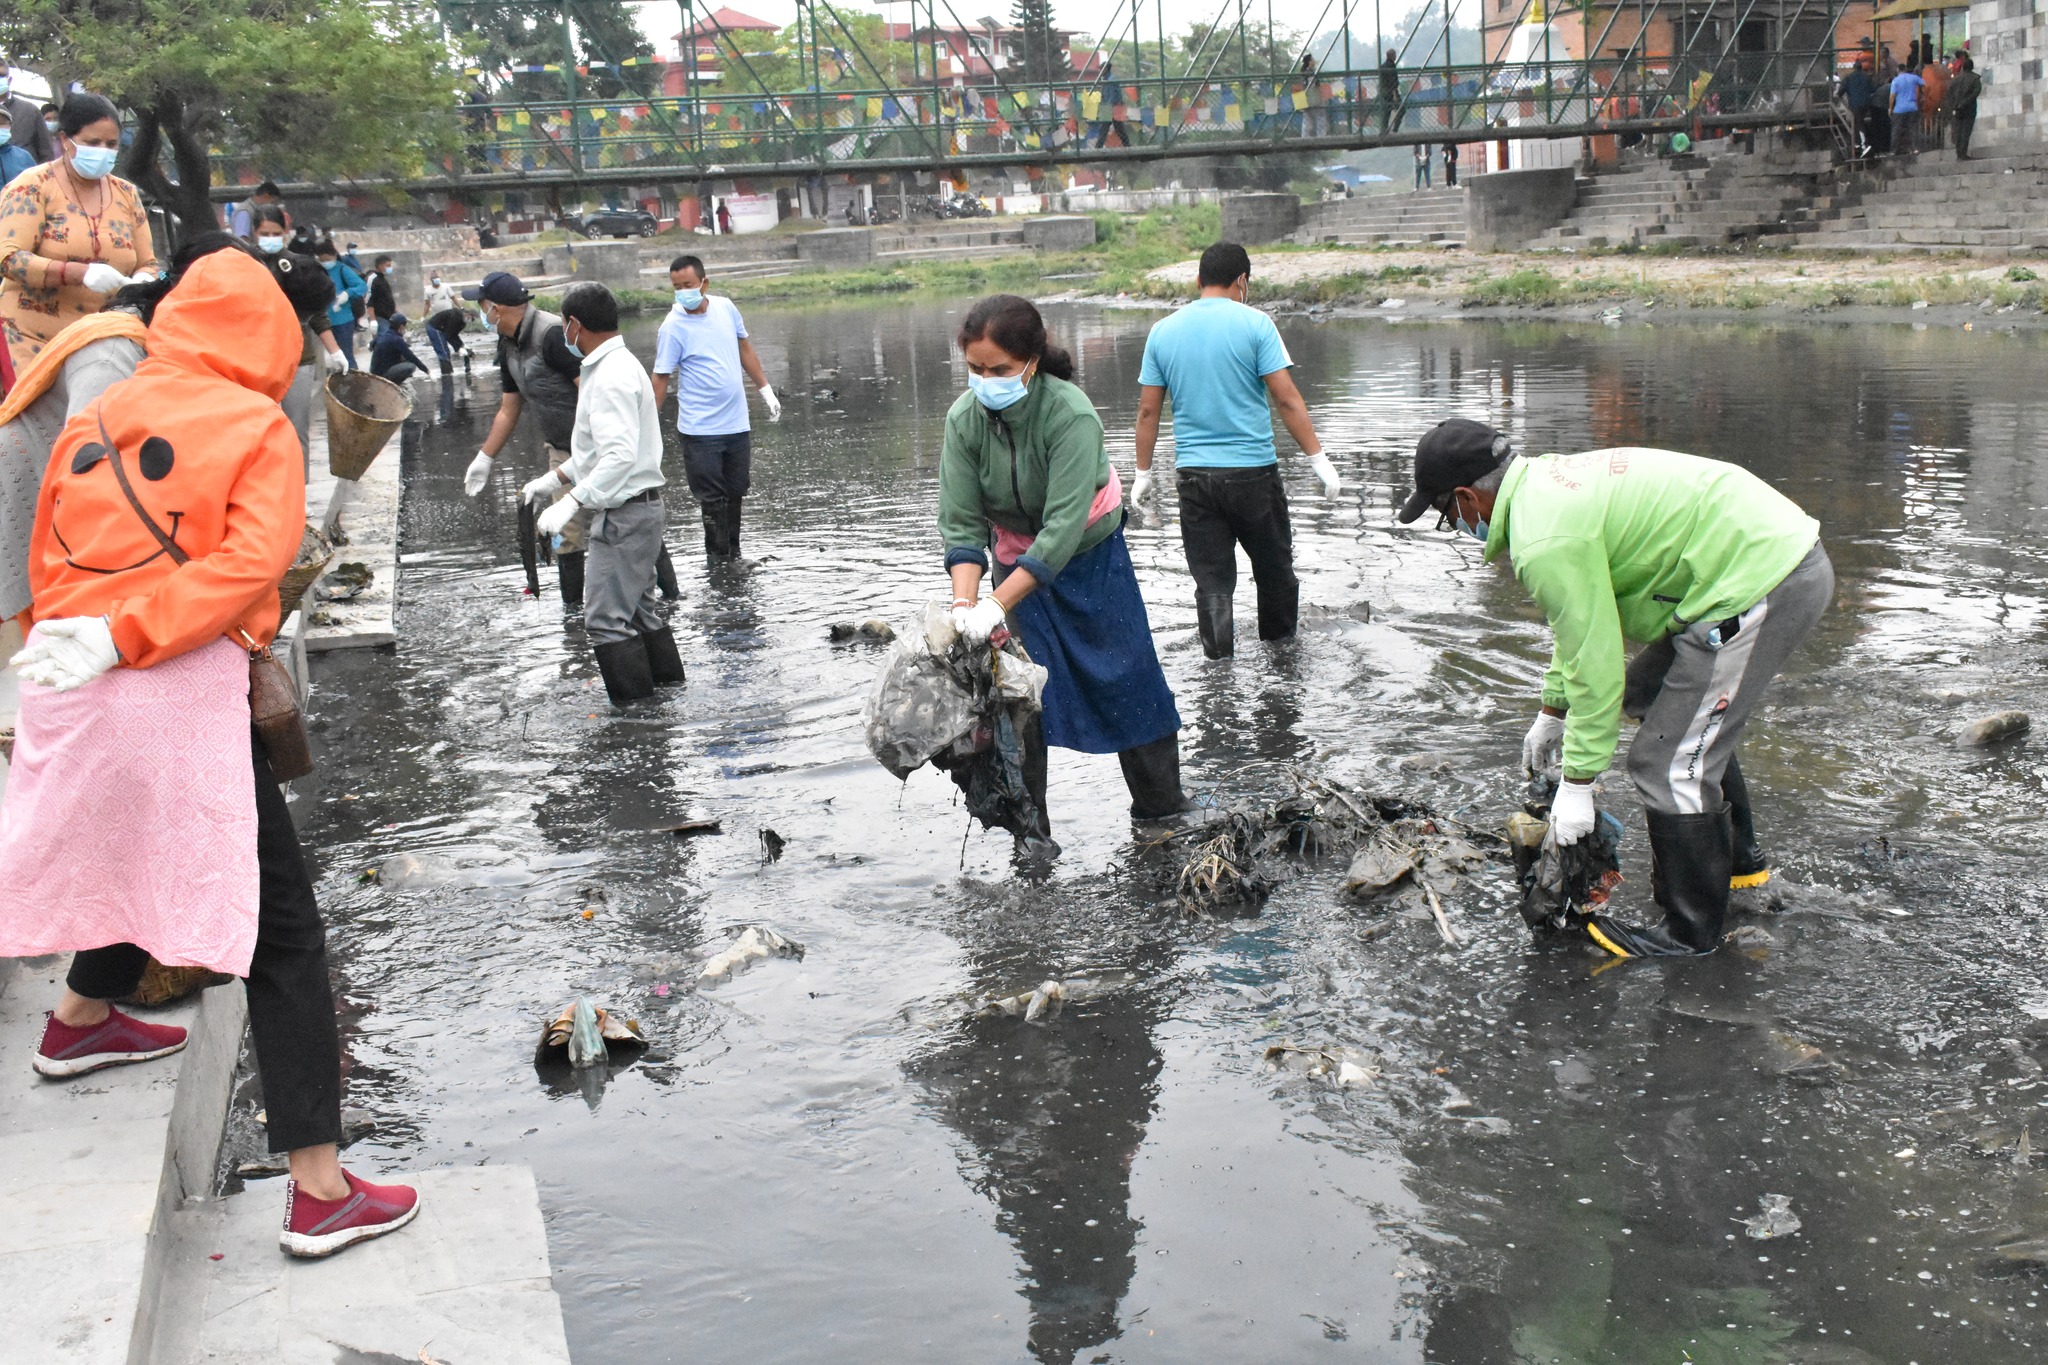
point(839, 129)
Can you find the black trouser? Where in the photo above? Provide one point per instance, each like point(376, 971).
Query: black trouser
point(291, 1004)
point(1964, 124)
point(719, 467)
point(1221, 509)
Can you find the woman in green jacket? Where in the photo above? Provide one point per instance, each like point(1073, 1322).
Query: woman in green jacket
point(1024, 474)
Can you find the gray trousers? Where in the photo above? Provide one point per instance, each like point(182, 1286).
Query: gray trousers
point(618, 574)
point(1719, 672)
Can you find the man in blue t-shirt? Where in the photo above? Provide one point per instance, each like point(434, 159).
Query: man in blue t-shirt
point(703, 348)
point(1905, 111)
point(1219, 360)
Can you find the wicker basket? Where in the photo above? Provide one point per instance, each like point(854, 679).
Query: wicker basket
point(362, 412)
point(314, 556)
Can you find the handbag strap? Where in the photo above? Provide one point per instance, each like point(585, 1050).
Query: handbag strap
point(170, 547)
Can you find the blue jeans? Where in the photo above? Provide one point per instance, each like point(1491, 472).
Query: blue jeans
point(719, 467)
point(345, 337)
point(440, 345)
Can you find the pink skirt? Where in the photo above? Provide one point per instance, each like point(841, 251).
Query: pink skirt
point(130, 815)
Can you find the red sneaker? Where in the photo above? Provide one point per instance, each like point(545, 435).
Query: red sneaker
point(321, 1227)
point(114, 1041)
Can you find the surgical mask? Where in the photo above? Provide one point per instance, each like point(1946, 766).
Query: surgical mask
point(51, 124)
point(1477, 533)
point(691, 299)
point(996, 392)
point(574, 349)
point(270, 245)
point(94, 162)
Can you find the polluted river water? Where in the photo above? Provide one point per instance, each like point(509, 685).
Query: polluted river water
point(832, 1157)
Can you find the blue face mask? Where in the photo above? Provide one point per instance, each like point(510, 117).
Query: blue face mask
point(1477, 533)
point(270, 246)
point(691, 299)
point(574, 349)
point(996, 392)
point(94, 162)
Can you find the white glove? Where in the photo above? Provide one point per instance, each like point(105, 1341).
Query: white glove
point(542, 490)
point(336, 361)
point(773, 403)
point(477, 475)
point(978, 622)
point(1571, 813)
point(1544, 744)
point(1141, 485)
point(68, 652)
point(551, 521)
point(102, 278)
point(144, 277)
point(1320, 465)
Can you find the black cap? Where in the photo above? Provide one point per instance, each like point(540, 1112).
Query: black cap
point(398, 319)
point(1455, 453)
point(499, 287)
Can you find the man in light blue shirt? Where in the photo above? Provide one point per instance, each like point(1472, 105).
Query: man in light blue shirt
point(703, 347)
point(1905, 111)
point(1220, 360)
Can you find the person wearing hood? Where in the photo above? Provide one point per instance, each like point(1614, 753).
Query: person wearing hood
point(1023, 473)
point(1718, 573)
point(71, 232)
point(141, 816)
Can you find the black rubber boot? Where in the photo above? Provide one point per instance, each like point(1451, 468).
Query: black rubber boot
point(447, 367)
point(628, 677)
point(664, 660)
point(665, 577)
point(1152, 772)
point(732, 526)
point(1215, 618)
point(569, 564)
point(714, 530)
point(1750, 866)
point(1689, 860)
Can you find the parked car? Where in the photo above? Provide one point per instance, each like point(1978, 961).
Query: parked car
point(614, 223)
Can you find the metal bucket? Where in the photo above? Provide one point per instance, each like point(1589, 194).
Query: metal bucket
point(362, 412)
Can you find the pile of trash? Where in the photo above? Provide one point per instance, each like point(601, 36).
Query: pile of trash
point(1562, 887)
point(965, 709)
point(1404, 856)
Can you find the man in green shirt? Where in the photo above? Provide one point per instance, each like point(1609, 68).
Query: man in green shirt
point(1702, 560)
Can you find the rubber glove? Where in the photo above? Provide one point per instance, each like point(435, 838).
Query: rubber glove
point(144, 277)
point(1141, 486)
point(337, 363)
point(551, 521)
point(102, 278)
point(68, 652)
point(1571, 813)
point(773, 403)
point(542, 490)
point(1544, 744)
point(478, 474)
point(978, 622)
point(1320, 465)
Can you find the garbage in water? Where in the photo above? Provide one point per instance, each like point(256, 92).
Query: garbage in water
point(1044, 1003)
point(772, 845)
point(965, 709)
point(683, 829)
point(1776, 1220)
point(346, 582)
point(750, 947)
point(1398, 847)
point(583, 1035)
point(1991, 729)
point(874, 628)
point(1561, 887)
point(1342, 1066)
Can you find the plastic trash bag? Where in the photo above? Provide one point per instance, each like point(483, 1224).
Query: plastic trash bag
point(1561, 887)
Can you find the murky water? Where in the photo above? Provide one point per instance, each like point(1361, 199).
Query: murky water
point(827, 1159)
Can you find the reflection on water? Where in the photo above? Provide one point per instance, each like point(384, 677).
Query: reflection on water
point(833, 1157)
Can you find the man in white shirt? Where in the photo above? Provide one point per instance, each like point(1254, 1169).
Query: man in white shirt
point(614, 469)
point(703, 347)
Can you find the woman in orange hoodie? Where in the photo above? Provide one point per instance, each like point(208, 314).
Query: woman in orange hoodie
point(141, 818)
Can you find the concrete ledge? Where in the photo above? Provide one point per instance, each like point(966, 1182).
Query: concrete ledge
point(369, 518)
point(1504, 209)
point(615, 264)
point(1253, 218)
point(836, 246)
point(91, 1170)
point(469, 1281)
point(1059, 233)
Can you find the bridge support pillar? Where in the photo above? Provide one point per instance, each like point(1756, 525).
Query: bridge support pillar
point(1249, 219)
point(1505, 209)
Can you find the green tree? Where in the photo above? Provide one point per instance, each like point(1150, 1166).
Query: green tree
point(318, 89)
point(1045, 59)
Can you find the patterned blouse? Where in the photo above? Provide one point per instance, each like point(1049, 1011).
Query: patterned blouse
point(43, 232)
